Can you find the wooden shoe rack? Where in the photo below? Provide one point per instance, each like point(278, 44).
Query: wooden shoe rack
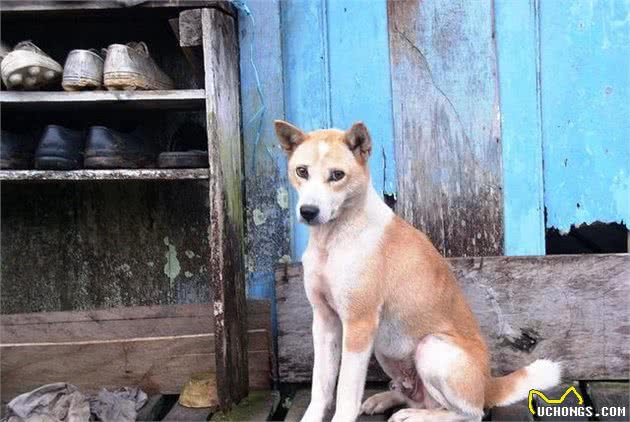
point(157, 346)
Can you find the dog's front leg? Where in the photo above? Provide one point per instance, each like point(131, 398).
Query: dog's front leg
point(327, 348)
point(358, 339)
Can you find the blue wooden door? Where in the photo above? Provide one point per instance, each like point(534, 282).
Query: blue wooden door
point(564, 69)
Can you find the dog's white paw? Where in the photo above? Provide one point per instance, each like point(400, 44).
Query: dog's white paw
point(379, 403)
point(314, 413)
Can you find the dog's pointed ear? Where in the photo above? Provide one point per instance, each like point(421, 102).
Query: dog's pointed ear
point(358, 140)
point(288, 135)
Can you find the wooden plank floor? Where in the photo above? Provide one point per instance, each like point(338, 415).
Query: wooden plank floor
point(262, 406)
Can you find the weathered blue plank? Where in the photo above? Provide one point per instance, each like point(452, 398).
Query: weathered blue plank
point(585, 72)
point(446, 120)
point(336, 71)
point(267, 211)
point(306, 83)
point(517, 41)
point(360, 81)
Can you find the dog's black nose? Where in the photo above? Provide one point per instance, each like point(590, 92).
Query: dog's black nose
point(309, 212)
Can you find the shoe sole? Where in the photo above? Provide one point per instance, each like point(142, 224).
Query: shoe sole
point(29, 70)
point(51, 162)
point(130, 81)
point(115, 162)
point(72, 84)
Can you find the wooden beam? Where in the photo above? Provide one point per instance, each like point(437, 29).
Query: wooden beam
point(55, 7)
point(156, 347)
point(220, 50)
point(182, 99)
point(570, 308)
point(119, 174)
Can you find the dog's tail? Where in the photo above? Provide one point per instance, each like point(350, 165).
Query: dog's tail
point(540, 375)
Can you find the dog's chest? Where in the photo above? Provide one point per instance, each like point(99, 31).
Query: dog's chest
point(333, 271)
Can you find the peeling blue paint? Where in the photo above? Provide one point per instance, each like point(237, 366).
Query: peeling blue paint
point(564, 89)
point(585, 69)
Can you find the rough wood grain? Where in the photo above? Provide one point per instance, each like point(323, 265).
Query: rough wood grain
point(123, 322)
point(267, 209)
point(183, 99)
point(190, 34)
point(571, 308)
point(446, 123)
point(610, 394)
point(156, 347)
point(77, 246)
point(77, 175)
point(220, 49)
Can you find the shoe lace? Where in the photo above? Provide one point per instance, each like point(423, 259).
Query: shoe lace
point(28, 45)
point(101, 53)
point(139, 46)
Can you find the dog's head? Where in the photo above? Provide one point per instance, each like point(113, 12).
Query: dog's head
point(327, 167)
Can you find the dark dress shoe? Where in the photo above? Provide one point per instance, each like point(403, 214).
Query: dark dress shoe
point(16, 149)
point(109, 149)
point(188, 148)
point(60, 148)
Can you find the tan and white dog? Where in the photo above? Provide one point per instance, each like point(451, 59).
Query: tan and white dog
point(376, 284)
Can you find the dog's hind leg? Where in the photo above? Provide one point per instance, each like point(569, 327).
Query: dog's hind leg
point(452, 378)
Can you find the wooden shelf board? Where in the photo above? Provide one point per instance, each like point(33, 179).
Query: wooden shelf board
point(114, 174)
point(171, 99)
point(11, 8)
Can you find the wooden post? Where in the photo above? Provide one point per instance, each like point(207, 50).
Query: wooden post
point(221, 58)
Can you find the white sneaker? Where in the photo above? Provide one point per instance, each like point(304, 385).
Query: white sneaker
point(131, 67)
point(83, 70)
point(29, 68)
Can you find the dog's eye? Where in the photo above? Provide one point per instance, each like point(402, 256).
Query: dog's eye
point(336, 175)
point(302, 172)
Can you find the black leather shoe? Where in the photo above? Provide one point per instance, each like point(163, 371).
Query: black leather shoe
point(188, 148)
point(108, 149)
point(16, 149)
point(60, 148)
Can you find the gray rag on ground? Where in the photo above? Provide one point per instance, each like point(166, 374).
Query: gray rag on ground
point(64, 402)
